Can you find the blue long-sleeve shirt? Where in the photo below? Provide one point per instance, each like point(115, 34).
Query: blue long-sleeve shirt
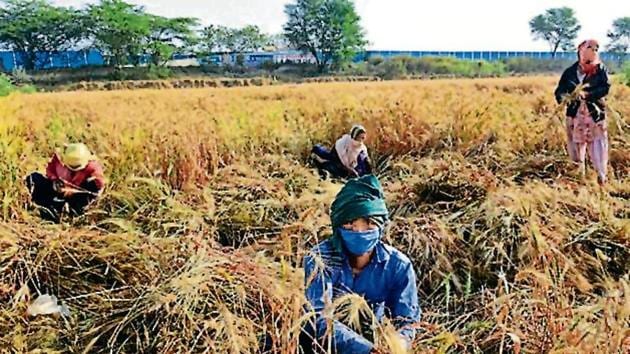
point(388, 282)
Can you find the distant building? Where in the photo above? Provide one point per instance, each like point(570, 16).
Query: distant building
point(258, 58)
point(91, 57)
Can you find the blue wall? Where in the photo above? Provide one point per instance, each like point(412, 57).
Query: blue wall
point(480, 55)
point(92, 57)
point(67, 59)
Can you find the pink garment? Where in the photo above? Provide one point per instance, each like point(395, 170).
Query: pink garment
point(584, 134)
point(349, 150)
point(588, 56)
point(92, 172)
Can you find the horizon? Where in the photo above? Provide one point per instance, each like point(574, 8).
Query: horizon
point(393, 26)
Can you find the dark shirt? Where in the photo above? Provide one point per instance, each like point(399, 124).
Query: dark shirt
point(596, 85)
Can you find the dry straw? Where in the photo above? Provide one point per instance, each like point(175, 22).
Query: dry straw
point(197, 243)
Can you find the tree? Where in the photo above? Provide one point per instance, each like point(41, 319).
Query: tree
point(237, 40)
point(216, 39)
point(167, 35)
point(557, 26)
point(119, 29)
point(248, 38)
point(213, 39)
point(126, 33)
point(31, 26)
point(327, 29)
point(620, 36)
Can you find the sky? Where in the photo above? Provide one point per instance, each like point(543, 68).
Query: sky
point(411, 24)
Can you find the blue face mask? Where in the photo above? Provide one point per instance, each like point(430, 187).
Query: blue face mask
point(360, 242)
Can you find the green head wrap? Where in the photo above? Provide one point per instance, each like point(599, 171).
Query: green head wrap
point(360, 198)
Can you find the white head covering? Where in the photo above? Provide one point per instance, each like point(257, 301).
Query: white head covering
point(349, 149)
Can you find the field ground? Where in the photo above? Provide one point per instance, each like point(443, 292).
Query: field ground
point(197, 242)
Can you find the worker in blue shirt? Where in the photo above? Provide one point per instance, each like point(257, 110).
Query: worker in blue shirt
point(355, 260)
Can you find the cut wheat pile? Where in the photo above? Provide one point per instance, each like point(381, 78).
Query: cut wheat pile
point(197, 243)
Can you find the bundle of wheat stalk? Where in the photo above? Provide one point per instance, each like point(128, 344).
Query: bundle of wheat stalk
point(132, 293)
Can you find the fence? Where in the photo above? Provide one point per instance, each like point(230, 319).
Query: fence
point(486, 55)
point(77, 59)
point(45, 60)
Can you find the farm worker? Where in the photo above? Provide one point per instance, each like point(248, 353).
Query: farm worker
point(74, 178)
point(356, 261)
point(348, 158)
point(583, 87)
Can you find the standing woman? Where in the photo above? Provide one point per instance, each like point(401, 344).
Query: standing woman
point(583, 87)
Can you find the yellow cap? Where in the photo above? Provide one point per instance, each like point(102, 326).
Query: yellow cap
point(76, 156)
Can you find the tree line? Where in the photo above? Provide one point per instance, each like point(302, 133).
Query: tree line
point(559, 28)
point(125, 33)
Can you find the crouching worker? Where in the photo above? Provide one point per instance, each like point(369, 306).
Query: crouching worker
point(356, 261)
point(348, 158)
point(75, 179)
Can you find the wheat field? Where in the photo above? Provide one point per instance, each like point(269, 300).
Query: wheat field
point(197, 242)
